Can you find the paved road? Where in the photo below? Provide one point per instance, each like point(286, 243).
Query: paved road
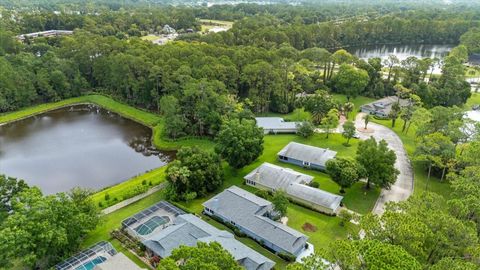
point(403, 187)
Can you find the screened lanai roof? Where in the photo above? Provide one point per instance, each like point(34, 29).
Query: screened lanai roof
point(146, 221)
point(88, 258)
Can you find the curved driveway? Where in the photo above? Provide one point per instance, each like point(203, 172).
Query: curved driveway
point(403, 187)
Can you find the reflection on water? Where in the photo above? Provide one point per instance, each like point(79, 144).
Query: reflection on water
point(81, 145)
point(403, 52)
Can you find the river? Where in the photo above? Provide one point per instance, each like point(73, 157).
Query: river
point(81, 145)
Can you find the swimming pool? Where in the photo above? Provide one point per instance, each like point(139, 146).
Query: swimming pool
point(151, 224)
point(91, 264)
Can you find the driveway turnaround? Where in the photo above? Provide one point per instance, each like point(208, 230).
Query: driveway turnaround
point(403, 187)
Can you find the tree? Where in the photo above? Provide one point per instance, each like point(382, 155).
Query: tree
point(436, 150)
point(423, 227)
point(378, 161)
point(349, 130)
point(305, 129)
point(319, 105)
point(466, 195)
point(40, 230)
point(344, 171)
point(174, 123)
point(359, 254)
point(280, 202)
point(194, 170)
point(348, 107)
point(394, 112)
point(9, 188)
point(330, 121)
point(366, 119)
point(240, 142)
point(203, 256)
point(351, 81)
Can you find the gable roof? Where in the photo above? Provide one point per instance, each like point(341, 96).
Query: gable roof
point(275, 123)
point(315, 195)
point(276, 177)
point(188, 230)
point(246, 209)
point(303, 152)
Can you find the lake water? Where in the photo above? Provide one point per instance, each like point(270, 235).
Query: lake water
point(81, 145)
point(402, 52)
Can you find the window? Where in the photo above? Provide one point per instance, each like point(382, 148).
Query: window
point(306, 164)
point(283, 158)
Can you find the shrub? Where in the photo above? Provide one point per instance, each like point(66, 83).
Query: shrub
point(314, 184)
point(305, 129)
point(262, 194)
point(144, 182)
point(287, 257)
point(107, 196)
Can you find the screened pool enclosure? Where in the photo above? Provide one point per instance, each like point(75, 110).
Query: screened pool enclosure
point(88, 258)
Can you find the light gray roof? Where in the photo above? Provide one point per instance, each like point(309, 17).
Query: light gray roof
point(188, 230)
point(315, 195)
point(246, 210)
point(276, 177)
point(118, 261)
point(275, 123)
point(303, 152)
point(292, 182)
point(384, 105)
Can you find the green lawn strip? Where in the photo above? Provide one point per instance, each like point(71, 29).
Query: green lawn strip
point(116, 192)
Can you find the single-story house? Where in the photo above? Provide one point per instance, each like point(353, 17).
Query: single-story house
point(274, 125)
point(382, 107)
point(306, 155)
point(272, 177)
point(164, 227)
point(101, 256)
point(251, 215)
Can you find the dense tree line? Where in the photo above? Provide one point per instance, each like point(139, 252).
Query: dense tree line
point(122, 23)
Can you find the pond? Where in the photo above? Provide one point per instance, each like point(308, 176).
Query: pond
point(81, 145)
point(402, 52)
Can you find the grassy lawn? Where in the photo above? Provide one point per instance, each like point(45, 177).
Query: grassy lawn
point(150, 37)
point(207, 24)
point(474, 99)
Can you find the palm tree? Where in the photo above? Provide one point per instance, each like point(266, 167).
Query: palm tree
point(366, 118)
point(347, 108)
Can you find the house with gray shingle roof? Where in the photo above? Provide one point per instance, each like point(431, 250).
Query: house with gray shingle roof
point(250, 214)
point(187, 230)
point(306, 155)
point(382, 107)
point(274, 125)
point(295, 184)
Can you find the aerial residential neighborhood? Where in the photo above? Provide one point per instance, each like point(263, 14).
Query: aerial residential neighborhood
point(229, 135)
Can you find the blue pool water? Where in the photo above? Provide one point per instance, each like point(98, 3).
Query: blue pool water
point(91, 264)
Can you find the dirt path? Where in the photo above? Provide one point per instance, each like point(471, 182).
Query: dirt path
point(403, 187)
